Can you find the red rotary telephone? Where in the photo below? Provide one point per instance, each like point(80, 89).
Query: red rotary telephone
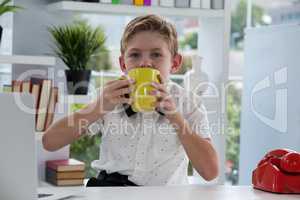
point(278, 172)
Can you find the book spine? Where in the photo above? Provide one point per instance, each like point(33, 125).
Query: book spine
point(69, 182)
point(51, 165)
point(128, 2)
point(44, 101)
point(64, 182)
point(51, 180)
point(115, 1)
point(217, 4)
point(36, 93)
point(196, 3)
point(167, 3)
point(139, 2)
point(182, 3)
point(16, 86)
point(51, 174)
point(147, 2)
point(70, 168)
point(54, 175)
point(155, 3)
point(51, 107)
point(206, 4)
point(13, 83)
point(26, 86)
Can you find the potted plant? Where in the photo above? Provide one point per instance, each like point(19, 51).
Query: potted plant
point(4, 8)
point(75, 45)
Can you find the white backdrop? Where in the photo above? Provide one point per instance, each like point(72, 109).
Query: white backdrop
point(271, 95)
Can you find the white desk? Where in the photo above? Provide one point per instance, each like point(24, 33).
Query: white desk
point(191, 192)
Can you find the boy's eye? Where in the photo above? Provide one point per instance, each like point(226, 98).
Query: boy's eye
point(156, 55)
point(134, 55)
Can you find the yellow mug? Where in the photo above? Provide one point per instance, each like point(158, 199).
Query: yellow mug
point(143, 76)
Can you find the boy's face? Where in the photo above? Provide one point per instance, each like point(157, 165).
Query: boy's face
point(149, 49)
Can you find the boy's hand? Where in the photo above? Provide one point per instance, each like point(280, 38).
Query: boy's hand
point(165, 102)
point(113, 93)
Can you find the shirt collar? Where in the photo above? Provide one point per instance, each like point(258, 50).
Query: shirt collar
point(129, 112)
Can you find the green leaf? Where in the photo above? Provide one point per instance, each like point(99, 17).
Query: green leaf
point(4, 7)
point(76, 43)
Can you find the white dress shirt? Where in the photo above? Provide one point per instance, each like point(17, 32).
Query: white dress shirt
point(145, 146)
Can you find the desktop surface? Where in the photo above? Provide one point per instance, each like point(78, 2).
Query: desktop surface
point(188, 192)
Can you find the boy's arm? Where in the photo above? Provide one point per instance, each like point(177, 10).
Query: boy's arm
point(69, 128)
point(199, 150)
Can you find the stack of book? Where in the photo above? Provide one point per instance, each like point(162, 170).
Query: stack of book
point(65, 172)
point(46, 98)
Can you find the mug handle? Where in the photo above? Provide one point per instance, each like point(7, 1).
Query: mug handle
point(123, 77)
point(160, 81)
point(159, 78)
point(128, 109)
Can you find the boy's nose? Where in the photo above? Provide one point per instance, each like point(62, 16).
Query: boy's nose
point(146, 62)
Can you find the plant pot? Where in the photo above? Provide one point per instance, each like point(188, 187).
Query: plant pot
point(1, 30)
point(78, 81)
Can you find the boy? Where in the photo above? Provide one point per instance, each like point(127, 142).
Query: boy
point(151, 148)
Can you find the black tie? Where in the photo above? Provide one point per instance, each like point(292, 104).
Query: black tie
point(130, 112)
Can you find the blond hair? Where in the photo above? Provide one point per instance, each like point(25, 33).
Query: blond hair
point(152, 23)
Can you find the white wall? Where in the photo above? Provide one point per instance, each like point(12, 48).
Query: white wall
point(30, 35)
point(271, 78)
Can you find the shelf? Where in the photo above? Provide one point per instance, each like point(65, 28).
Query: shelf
point(27, 60)
point(133, 10)
point(39, 135)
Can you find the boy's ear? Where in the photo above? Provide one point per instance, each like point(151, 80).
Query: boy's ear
point(122, 63)
point(177, 63)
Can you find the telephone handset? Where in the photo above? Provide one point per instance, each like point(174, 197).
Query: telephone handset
point(278, 172)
